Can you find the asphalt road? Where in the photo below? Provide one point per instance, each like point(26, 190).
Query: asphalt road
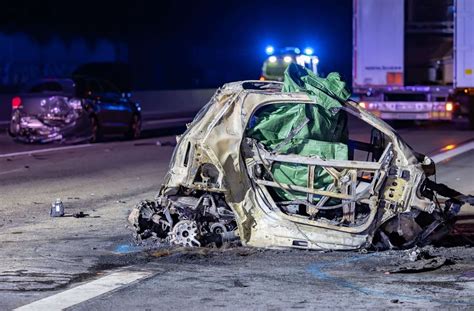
point(43, 256)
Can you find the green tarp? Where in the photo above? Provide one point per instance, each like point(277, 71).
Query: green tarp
point(302, 129)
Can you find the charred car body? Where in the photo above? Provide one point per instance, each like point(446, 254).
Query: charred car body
point(75, 109)
point(273, 165)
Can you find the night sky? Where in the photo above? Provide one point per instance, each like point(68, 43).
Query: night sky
point(185, 44)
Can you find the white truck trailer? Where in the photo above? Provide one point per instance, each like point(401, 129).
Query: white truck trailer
point(414, 59)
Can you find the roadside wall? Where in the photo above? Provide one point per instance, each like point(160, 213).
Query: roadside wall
point(158, 105)
point(23, 57)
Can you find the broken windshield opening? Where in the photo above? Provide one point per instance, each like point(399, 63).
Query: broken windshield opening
point(314, 162)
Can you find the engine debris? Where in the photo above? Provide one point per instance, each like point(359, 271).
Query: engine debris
point(184, 233)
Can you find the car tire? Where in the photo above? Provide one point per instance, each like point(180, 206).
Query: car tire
point(96, 135)
point(14, 126)
point(135, 128)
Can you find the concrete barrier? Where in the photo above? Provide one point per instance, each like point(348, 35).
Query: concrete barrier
point(5, 109)
point(160, 109)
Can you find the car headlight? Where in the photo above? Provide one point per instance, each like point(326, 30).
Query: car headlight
point(139, 108)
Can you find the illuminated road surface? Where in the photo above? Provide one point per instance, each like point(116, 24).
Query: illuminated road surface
point(43, 256)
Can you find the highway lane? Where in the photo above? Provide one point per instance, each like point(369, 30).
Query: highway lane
point(243, 279)
point(41, 255)
point(97, 174)
point(250, 279)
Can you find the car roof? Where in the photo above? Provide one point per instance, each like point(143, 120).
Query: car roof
point(67, 84)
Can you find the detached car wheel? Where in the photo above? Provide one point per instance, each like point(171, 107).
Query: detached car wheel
point(135, 128)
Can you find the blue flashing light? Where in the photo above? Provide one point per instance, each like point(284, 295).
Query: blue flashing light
point(269, 50)
point(308, 51)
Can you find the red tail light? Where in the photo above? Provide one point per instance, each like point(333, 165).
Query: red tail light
point(16, 102)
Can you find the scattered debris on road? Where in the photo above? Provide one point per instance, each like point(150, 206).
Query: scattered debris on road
point(80, 215)
point(274, 165)
point(421, 265)
point(421, 260)
point(57, 210)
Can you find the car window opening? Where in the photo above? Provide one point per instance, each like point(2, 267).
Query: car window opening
point(304, 157)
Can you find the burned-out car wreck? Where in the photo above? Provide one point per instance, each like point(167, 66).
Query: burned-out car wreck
point(275, 165)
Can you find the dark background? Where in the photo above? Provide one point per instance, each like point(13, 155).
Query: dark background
point(192, 44)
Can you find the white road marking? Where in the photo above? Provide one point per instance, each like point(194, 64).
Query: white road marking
point(86, 291)
point(453, 152)
point(468, 285)
point(12, 171)
point(15, 154)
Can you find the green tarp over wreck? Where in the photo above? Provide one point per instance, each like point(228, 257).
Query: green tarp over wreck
point(307, 130)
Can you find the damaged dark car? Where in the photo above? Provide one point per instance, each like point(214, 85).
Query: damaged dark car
point(73, 110)
point(296, 164)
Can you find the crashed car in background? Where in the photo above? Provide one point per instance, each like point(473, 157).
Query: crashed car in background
point(75, 109)
point(276, 165)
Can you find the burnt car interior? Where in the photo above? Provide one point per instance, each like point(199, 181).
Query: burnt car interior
point(315, 169)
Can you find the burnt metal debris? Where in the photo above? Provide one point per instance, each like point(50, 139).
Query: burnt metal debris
point(303, 186)
point(421, 260)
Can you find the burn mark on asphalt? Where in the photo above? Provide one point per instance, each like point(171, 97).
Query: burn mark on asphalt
point(317, 271)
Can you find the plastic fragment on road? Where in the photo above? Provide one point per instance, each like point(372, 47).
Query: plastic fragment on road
point(57, 208)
